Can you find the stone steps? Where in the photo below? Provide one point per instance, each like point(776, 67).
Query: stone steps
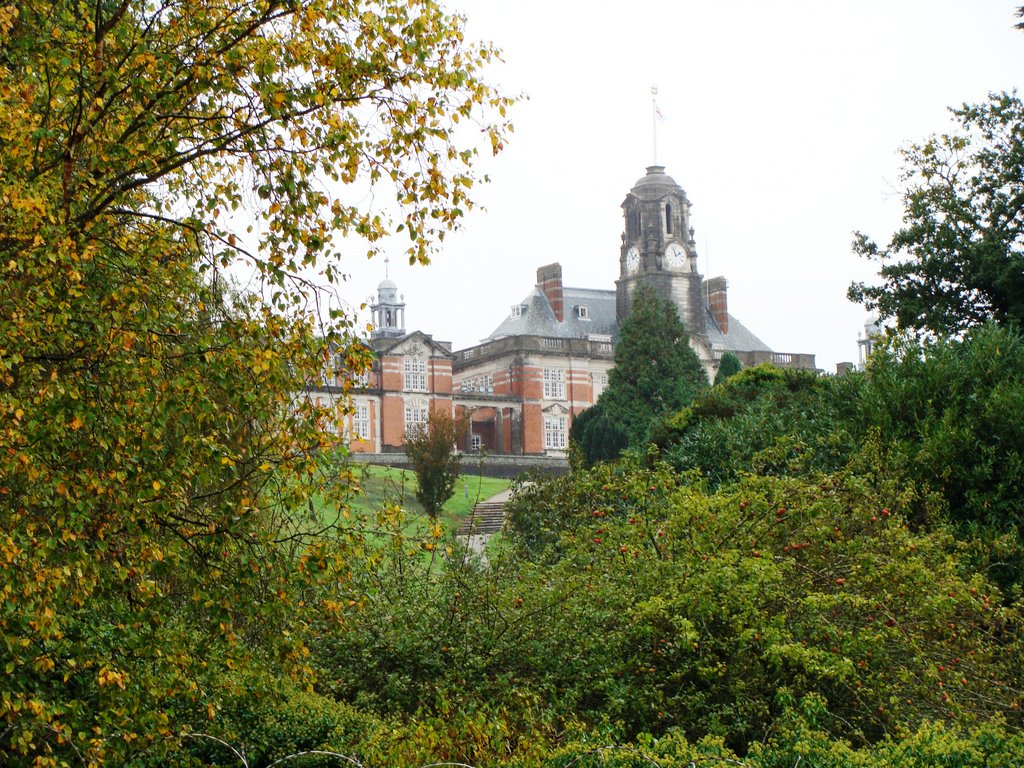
point(486, 518)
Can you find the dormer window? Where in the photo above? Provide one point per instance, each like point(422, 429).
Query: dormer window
point(517, 311)
point(583, 313)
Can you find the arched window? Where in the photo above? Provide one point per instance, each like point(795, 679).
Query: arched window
point(668, 218)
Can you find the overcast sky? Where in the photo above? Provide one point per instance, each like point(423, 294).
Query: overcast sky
point(782, 123)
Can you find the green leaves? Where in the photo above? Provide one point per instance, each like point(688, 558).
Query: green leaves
point(959, 259)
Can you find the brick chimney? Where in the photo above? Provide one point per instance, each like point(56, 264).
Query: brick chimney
point(549, 279)
point(718, 302)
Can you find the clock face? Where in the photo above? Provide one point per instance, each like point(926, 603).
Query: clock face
point(633, 259)
point(675, 255)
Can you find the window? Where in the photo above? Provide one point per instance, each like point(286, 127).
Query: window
point(361, 421)
point(484, 383)
point(415, 374)
point(583, 313)
point(476, 443)
point(415, 414)
point(600, 383)
point(517, 310)
point(668, 218)
point(554, 384)
point(555, 434)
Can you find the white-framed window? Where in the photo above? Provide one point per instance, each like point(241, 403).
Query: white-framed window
point(476, 443)
point(415, 370)
point(415, 414)
point(484, 383)
point(555, 433)
point(554, 384)
point(600, 383)
point(582, 312)
point(361, 421)
point(517, 311)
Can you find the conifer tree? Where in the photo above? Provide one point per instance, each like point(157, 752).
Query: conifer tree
point(728, 366)
point(656, 372)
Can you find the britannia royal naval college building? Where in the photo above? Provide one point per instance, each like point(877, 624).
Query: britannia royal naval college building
point(548, 359)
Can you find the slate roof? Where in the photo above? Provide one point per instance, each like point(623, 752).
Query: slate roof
point(538, 319)
point(739, 339)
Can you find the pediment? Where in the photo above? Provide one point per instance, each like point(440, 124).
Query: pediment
point(417, 344)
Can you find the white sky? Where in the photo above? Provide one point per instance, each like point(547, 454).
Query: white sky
point(782, 121)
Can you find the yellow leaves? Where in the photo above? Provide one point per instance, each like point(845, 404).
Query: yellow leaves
point(108, 676)
point(263, 361)
point(76, 423)
point(157, 485)
point(8, 15)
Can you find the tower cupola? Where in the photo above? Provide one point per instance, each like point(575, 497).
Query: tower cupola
point(388, 312)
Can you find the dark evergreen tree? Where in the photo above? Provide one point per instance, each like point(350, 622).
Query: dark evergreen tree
point(656, 372)
point(597, 435)
point(728, 366)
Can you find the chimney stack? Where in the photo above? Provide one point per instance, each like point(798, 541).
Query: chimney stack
point(549, 279)
point(718, 302)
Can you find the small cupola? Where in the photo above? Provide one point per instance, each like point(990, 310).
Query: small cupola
point(388, 312)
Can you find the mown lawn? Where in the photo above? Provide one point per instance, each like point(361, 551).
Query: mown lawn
point(380, 486)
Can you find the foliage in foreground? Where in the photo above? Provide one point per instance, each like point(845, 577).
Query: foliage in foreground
point(639, 603)
point(949, 414)
point(154, 457)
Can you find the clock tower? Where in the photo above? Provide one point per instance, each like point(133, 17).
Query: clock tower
point(658, 248)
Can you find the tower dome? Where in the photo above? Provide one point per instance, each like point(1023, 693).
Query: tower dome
point(387, 291)
point(655, 183)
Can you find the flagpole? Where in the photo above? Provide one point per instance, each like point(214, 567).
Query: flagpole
point(654, 120)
